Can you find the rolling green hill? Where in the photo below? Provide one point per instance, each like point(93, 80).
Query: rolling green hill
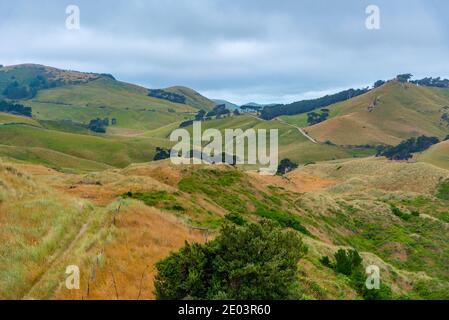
point(193, 98)
point(57, 94)
point(292, 144)
point(103, 150)
point(385, 115)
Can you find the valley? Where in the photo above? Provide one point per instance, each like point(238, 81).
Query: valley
point(79, 185)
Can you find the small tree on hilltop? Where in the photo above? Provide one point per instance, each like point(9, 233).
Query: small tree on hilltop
point(404, 78)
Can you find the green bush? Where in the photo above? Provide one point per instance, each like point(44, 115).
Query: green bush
point(325, 261)
point(397, 212)
point(258, 261)
point(347, 262)
point(235, 218)
point(443, 190)
point(284, 219)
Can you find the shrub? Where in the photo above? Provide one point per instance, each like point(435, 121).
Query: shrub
point(235, 218)
point(443, 190)
point(397, 212)
point(161, 154)
point(285, 166)
point(347, 262)
point(284, 219)
point(258, 261)
point(325, 261)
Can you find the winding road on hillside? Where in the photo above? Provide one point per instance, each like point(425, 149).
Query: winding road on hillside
point(299, 129)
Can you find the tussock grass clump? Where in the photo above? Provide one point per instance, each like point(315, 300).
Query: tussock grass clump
point(160, 199)
point(443, 190)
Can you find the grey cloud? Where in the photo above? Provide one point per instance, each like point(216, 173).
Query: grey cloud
point(266, 51)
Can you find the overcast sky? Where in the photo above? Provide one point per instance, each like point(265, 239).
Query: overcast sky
point(249, 50)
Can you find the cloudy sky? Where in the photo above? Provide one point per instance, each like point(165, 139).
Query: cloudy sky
point(249, 50)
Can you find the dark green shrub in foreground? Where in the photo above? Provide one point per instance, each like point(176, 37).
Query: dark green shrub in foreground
point(349, 263)
point(258, 261)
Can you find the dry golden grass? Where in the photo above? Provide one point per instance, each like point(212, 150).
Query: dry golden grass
point(401, 111)
point(126, 269)
point(54, 219)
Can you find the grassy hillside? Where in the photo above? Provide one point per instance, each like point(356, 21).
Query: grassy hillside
point(7, 118)
point(24, 74)
point(437, 155)
point(193, 98)
point(56, 94)
point(116, 245)
point(102, 98)
point(385, 115)
point(118, 152)
point(292, 144)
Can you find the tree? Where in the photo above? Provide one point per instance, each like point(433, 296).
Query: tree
point(258, 262)
point(285, 166)
point(200, 115)
point(273, 111)
point(315, 118)
point(404, 78)
point(379, 83)
point(161, 154)
point(98, 125)
point(15, 109)
point(218, 111)
point(170, 96)
point(405, 149)
point(16, 91)
point(347, 262)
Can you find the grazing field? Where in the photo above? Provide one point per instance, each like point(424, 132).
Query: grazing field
point(386, 115)
point(105, 151)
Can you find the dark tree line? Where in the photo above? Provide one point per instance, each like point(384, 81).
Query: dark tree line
point(15, 109)
point(405, 149)
point(432, 82)
point(170, 96)
point(271, 112)
point(218, 111)
point(16, 90)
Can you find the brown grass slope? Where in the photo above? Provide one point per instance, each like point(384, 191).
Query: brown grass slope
point(53, 219)
point(437, 155)
point(385, 115)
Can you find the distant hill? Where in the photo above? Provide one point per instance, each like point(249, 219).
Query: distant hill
point(388, 114)
point(193, 98)
point(25, 80)
point(55, 94)
point(229, 105)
